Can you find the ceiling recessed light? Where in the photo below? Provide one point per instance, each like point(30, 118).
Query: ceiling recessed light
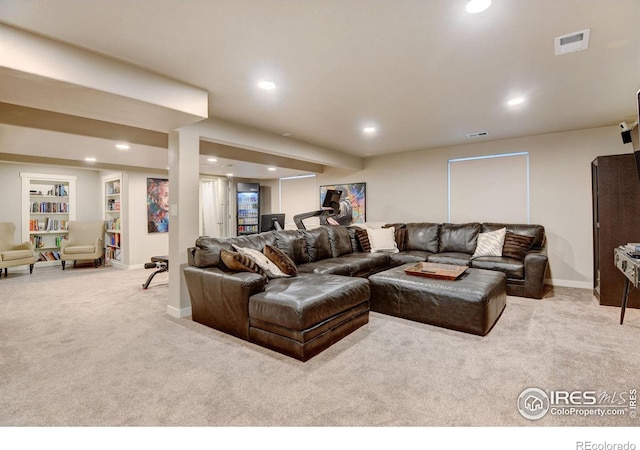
point(122, 146)
point(212, 160)
point(369, 130)
point(477, 6)
point(267, 85)
point(516, 101)
point(272, 169)
point(89, 159)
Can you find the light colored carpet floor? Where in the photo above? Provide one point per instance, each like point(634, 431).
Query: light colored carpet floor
point(90, 347)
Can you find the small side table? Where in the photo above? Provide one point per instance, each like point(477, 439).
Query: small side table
point(630, 267)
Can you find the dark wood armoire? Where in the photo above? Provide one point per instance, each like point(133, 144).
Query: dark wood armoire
point(616, 221)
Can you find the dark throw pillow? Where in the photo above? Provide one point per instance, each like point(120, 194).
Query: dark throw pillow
point(239, 262)
point(280, 259)
point(401, 234)
point(363, 240)
point(516, 245)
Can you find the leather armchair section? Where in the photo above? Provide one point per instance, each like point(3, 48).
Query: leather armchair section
point(220, 298)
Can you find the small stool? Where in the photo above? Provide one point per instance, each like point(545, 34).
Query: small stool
point(157, 262)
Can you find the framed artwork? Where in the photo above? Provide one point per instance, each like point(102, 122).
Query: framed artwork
point(352, 202)
point(157, 205)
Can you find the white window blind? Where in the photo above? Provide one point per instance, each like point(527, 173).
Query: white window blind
point(491, 188)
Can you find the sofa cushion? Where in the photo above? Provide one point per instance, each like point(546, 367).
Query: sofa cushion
point(79, 249)
point(516, 245)
point(12, 255)
point(455, 258)
point(382, 240)
point(413, 256)
point(207, 251)
point(400, 234)
point(490, 243)
point(318, 245)
point(239, 262)
point(423, 237)
point(324, 296)
point(537, 231)
point(280, 259)
point(511, 267)
point(339, 240)
point(459, 238)
point(363, 240)
point(293, 244)
point(269, 268)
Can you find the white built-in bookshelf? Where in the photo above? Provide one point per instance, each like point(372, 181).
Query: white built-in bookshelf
point(112, 208)
point(48, 204)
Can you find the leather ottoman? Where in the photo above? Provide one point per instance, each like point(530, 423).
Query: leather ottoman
point(302, 316)
point(472, 303)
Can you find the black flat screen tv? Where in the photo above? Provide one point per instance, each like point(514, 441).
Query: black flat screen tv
point(269, 222)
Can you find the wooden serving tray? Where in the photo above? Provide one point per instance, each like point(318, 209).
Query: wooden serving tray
point(436, 270)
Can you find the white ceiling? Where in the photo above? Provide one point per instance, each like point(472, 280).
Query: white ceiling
point(424, 72)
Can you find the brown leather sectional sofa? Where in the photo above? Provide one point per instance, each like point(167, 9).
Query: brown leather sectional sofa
point(329, 298)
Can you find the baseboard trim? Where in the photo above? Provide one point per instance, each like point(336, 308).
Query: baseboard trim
point(569, 283)
point(178, 313)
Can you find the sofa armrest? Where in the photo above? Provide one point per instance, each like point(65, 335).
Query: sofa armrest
point(190, 253)
point(535, 269)
point(220, 298)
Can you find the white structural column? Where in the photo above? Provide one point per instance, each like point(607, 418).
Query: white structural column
point(184, 149)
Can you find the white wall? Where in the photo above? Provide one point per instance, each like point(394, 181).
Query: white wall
point(412, 186)
point(142, 245)
point(88, 191)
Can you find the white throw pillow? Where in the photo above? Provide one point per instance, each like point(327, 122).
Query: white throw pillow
point(490, 243)
point(383, 240)
point(269, 267)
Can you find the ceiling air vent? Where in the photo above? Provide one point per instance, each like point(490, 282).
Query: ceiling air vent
point(478, 134)
point(573, 42)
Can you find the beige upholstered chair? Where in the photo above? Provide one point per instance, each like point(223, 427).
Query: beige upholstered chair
point(84, 242)
point(11, 254)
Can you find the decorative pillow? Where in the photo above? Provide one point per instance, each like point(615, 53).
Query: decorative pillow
point(363, 240)
point(383, 240)
point(490, 243)
point(270, 269)
point(239, 262)
point(516, 245)
point(280, 259)
point(401, 234)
